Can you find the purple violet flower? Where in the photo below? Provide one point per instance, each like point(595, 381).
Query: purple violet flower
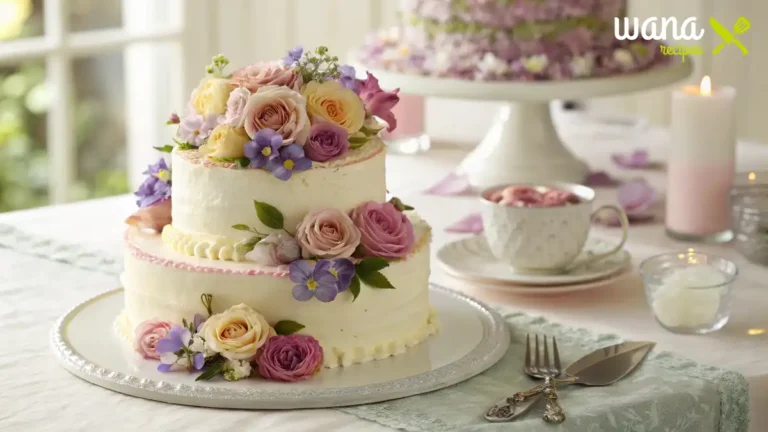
point(344, 271)
point(313, 280)
point(178, 339)
point(294, 55)
point(156, 187)
point(291, 159)
point(264, 146)
point(348, 78)
point(195, 128)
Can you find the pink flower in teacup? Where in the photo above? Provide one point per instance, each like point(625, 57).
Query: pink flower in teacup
point(146, 336)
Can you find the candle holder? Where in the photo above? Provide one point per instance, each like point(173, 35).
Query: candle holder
point(750, 221)
point(689, 292)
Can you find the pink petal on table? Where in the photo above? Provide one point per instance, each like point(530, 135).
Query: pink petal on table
point(472, 223)
point(452, 185)
point(601, 179)
point(636, 160)
point(636, 197)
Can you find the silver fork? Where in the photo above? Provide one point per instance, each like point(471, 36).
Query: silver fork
point(512, 407)
point(548, 371)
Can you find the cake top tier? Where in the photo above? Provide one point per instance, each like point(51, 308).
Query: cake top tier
point(282, 116)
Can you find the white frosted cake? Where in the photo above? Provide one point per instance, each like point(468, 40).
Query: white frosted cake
point(267, 246)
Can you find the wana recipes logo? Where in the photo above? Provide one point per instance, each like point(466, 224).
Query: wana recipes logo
point(665, 29)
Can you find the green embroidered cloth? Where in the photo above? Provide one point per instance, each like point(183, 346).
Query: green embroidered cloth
point(666, 393)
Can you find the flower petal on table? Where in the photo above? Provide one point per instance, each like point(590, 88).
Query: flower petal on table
point(636, 197)
point(452, 185)
point(636, 160)
point(601, 179)
point(472, 223)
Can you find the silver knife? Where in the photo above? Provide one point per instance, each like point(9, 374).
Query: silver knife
point(601, 367)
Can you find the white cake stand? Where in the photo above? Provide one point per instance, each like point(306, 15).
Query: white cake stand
point(523, 145)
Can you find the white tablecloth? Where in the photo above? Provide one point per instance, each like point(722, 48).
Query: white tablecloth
point(50, 399)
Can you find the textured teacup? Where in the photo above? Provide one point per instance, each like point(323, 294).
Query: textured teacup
point(544, 239)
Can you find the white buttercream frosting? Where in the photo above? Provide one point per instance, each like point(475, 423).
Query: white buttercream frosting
point(209, 198)
point(162, 284)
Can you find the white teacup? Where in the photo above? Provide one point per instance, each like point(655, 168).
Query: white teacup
point(544, 239)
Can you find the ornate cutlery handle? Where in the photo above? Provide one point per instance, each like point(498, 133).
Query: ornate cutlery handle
point(505, 409)
point(554, 412)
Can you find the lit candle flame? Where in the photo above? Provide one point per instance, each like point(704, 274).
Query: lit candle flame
point(755, 331)
point(752, 176)
point(706, 86)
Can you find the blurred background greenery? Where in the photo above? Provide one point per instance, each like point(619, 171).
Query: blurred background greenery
point(25, 101)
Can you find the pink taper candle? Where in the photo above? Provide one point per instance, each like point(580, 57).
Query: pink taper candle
point(410, 118)
point(701, 162)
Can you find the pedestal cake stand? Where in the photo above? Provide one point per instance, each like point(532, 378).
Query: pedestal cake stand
point(522, 145)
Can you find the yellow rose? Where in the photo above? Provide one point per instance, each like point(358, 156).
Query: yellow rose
point(211, 96)
point(225, 142)
point(335, 103)
point(236, 333)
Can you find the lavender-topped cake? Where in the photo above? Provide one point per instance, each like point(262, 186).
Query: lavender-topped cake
point(509, 40)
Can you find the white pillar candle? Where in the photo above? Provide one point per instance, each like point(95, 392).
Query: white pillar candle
point(701, 160)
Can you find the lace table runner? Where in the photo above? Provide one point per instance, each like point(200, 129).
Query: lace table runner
point(667, 393)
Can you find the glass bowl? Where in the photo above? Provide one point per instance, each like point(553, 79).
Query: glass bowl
point(689, 292)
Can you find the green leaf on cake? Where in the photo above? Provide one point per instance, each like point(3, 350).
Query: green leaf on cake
point(245, 246)
point(370, 265)
point(354, 287)
point(165, 149)
point(268, 215)
point(368, 272)
point(370, 132)
point(186, 146)
point(357, 142)
point(376, 280)
point(241, 227)
point(243, 162)
point(212, 369)
point(287, 327)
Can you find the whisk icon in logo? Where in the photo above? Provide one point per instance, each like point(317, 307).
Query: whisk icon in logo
point(740, 27)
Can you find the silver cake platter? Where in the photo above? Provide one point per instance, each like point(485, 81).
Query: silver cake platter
point(472, 338)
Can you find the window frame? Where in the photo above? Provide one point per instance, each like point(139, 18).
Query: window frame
point(149, 94)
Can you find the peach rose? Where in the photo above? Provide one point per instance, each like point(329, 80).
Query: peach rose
point(237, 333)
point(330, 101)
point(280, 109)
point(328, 233)
point(258, 75)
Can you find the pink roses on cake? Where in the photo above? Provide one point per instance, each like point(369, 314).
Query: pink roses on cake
point(385, 232)
point(327, 234)
point(258, 75)
point(290, 358)
point(326, 141)
point(146, 336)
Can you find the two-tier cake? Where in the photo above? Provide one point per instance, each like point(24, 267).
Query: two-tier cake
point(522, 40)
point(267, 246)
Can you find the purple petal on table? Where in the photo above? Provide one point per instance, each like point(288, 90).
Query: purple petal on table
point(162, 367)
point(452, 185)
point(472, 223)
point(636, 160)
point(601, 179)
point(636, 197)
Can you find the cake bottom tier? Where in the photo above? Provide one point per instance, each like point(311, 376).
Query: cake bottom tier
point(161, 284)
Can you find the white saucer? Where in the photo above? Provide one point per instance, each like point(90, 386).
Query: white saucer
point(472, 338)
point(471, 259)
